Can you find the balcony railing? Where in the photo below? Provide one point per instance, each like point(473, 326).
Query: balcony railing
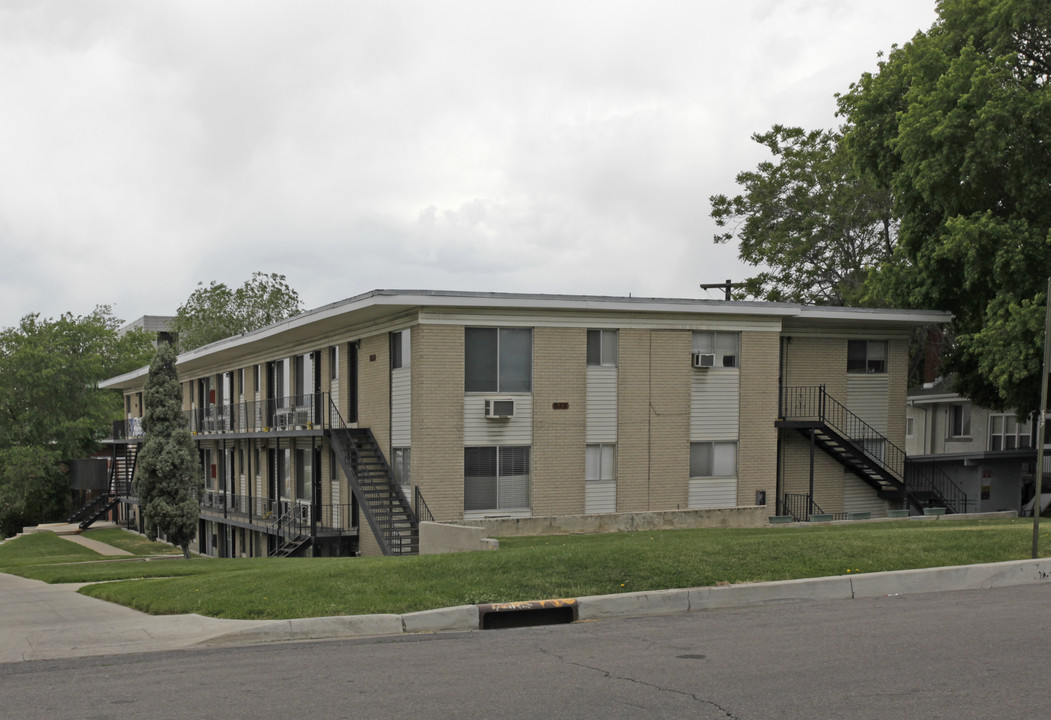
point(295, 412)
point(264, 512)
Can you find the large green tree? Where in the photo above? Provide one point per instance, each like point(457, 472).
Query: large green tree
point(214, 311)
point(168, 477)
point(808, 219)
point(51, 408)
point(957, 124)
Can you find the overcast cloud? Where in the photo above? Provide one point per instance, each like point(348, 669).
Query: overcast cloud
point(536, 147)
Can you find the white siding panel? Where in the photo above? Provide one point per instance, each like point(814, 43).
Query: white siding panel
point(401, 407)
point(600, 496)
point(478, 431)
point(867, 398)
point(601, 409)
point(713, 493)
point(714, 405)
point(859, 496)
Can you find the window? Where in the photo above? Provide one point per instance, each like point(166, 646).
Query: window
point(399, 349)
point(1006, 432)
point(401, 466)
point(602, 348)
point(910, 429)
point(724, 346)
point(498, 360)
point(496, 478)
point(304, 473)
point(333, 362)
point(959, 421)
point(713, 459)
point(867, 356)
point(600, 462)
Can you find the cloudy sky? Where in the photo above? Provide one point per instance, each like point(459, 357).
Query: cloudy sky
point(537, 146)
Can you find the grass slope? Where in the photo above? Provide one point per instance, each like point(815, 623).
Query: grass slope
point(533, 568)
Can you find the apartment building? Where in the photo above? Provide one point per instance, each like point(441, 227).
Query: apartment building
point(336, 431)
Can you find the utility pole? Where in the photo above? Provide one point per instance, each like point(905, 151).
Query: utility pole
point(724, 285)
point(1038, 481)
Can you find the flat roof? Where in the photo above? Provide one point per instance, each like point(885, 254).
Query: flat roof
point(379, 303)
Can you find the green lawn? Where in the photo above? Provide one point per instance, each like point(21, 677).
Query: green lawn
point(523, 569)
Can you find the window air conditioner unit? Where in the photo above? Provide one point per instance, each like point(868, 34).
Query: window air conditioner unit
point(703, 360)
point(499, 408)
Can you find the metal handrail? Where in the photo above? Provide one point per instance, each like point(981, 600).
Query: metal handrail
point(422, 511)
point(381, 516)
point(814, 403)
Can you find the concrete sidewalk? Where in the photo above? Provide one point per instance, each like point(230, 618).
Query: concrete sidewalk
point(40, 621)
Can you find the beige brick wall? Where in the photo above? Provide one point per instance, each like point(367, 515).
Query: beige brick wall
point(757, 439)
point(653, 423)
point(559, 376)
point(897, 387)
point(795, 464)
point(818, 361)
point(374, 389)
point(437, 418)
point(367, 544)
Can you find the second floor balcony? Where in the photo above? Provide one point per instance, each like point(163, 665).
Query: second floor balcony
point(310, 412)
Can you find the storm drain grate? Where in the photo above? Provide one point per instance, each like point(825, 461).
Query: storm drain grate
point(495, 616)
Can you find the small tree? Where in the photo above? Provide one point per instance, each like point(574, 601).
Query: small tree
point(168, 477)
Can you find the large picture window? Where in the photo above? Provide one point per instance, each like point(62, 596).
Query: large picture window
point(496, 478)
point(866, 356)
point(713, 459)
point(1007, 432)
point(498, 360)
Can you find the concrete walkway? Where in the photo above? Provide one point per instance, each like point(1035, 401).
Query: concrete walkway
point(40, 621)
point(100, 547)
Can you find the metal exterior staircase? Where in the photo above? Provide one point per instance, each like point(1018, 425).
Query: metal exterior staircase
point(122, 470)
point(391, 518)
point(866, 452)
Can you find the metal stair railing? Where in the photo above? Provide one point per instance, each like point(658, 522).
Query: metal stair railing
point(925, 478)
point(814, 403)
point(290, 527)
point(422, 511)
point(383, 503)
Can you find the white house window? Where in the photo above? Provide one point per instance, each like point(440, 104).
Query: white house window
point(713, 459)
point(867, 356)
point(498, 360)
point(724, 346)
point(399, 349)
point(496, 478)
point(602, 348)
point(1006, 432)
point(910, 428)
point(600, 462)
point(959, 421)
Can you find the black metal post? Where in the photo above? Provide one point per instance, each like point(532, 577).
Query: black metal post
point(810, 497)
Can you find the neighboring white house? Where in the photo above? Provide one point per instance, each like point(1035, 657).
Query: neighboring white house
point(990, 455)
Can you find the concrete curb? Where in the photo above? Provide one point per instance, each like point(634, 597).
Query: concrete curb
point(662, 602)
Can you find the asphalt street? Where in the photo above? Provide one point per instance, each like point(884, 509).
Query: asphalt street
point(962, 655)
